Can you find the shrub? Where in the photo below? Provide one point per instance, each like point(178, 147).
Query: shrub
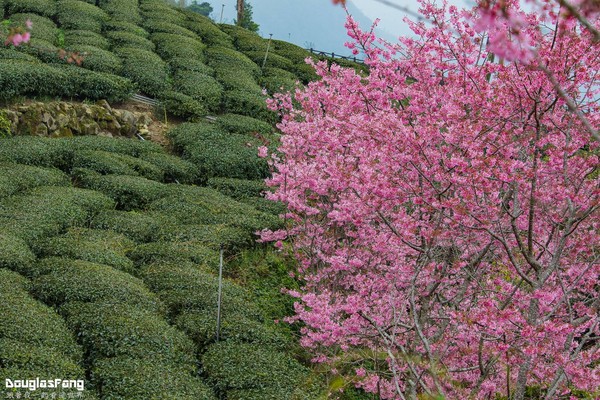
point(306, 73)
point(106, 162)
point(35, 151)
point(110, 330)
point(242, 124)
point(24, 319)
point(96, 59)
point(184, 287)
point(92, 85)
point(217, 153)
point(85, 38)
point(137, 226)
point(245, 366)
point(79, 15)
point(248, 103)
point(208, 31)
point(12, 54)
point(76, 280)
point(182, 105)
point(244, 39)
point(130, 40)
point(15, 254)
point(187, 64)
point(46, 8)
point(155, 26)
point(161, 11)
point(35, 360)
point(130, 192)
point(43, 49)
point(233, 239)
point(170, 46)
point(142, 379)
point(134, 148)
point(175, 169)
point(238, 189)
point(95, 246)
point(43, 27)
point(146, 69)
point(18, 177)
point(175, 252)
point(224, 57)
point(122, 10)
point(200, 326)
point(112, 26)
point(273, 60)
point(278, 80)
point(200, 87)
point(290, 51)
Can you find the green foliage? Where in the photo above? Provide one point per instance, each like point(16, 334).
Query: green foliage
point(36, 151)
point(27, 320)
point(141, 227)
point(208, 31)
point(95, 246)
point(96, 59)
point(85, 38)
point(247, 22)
point(129, 40)
point(141, 379)
point(182, 105)
point(238, 189)
point(290, 51)
point(134, 148)
point(42, 49)
point(106, 162)
point(232, 238)
point(243, 124)
point(217, 153)
point(92, 85)
point(46, 8)
point(276, 80)
point(175, 252)
point(248, 103)
point(7, 53)
point(244, 366)
point(170, 45)
point(130, 192)
point(5, 126)
point(234, 70)
point(200, 326)
point(79, 15)
point(245, 40)
point(76, 280)
point(200, 87)
point(146, 69)
point(113, 26)
point(203, 8)
point(160, 10)
point(122, 10)
point(159, 26)
point(174, 168)
point(15, 254)
point(273, 60)
point(111, 329)
point(187, 64)
point(43, 27)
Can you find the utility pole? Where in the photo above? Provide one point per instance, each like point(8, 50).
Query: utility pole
point(222, 8)
point(240, 12)
point(267, 52)
point(219, 293)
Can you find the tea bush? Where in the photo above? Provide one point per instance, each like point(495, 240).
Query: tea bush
point(18, 177)
point(174, 168)
point(175, 253)
point(170, 45)
point(145, 68)
point(182, 105)
point(79, 15)
point(16, 255)
point(208, 31)
point(155, 26)
point(96, 59)
point(122, 10)
point(112, 26)
point(247, 103)
point(42, 28)
point(243, 124)
point(187, 64)
point(202, 88)
point(106, 162)
point(46, 8)
point(85, 38)
point(140, 227)
point(130, 40)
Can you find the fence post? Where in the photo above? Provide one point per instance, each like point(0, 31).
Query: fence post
point(267, 52)
point(219, 293)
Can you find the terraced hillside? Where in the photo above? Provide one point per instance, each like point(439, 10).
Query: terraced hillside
point(180, 57)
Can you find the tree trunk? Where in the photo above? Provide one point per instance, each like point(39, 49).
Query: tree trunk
point(240, 12)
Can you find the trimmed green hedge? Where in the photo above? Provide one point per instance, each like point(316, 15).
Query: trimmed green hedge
point(277, 80)
point(97, 59)
point(15, 254)
point(207, 30)
point(182, 105)
point(245, 366)
point(290, 51)
point(76, 280)
point(130, 192)
point(111, 330)
point(46, 8)
point(129, 40)
point(213, 236)
point(43, 49)
point(175, 252)
point(95, 246)
point(217, 153)
point(113, 26)
point(188, 64)
point(85, 38)
point(146, 69)
point(174, 168)
point(122, 10)
point(18, 177)
point(170, 45)
point(143, 379)
point(203, 88)
point(222, 57)
point(248, 103)
point(27, 320)
point(86, 84)
point(43, 27)
point(106, 162)
point(35, 151)
point(131, 147)
point(74, 14)
point(244, 39)
point(155, 26)
point(7, 53)
point(238, 189)
point(161, 11)
point(273, 60)
point(140, 227)
point(243, 124)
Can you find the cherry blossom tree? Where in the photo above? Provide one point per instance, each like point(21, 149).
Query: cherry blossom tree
point(444, 207)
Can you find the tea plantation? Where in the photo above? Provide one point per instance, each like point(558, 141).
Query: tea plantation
point(109, 247)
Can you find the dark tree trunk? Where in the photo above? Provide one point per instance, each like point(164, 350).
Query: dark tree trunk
point(240, 12)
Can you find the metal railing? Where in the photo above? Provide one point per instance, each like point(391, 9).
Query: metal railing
point(333, 55)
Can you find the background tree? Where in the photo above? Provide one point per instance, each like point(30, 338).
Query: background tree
point(244, 19)
point(445, 208)
point(203, 8)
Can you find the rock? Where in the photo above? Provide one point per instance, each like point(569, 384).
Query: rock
point(104, 104)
